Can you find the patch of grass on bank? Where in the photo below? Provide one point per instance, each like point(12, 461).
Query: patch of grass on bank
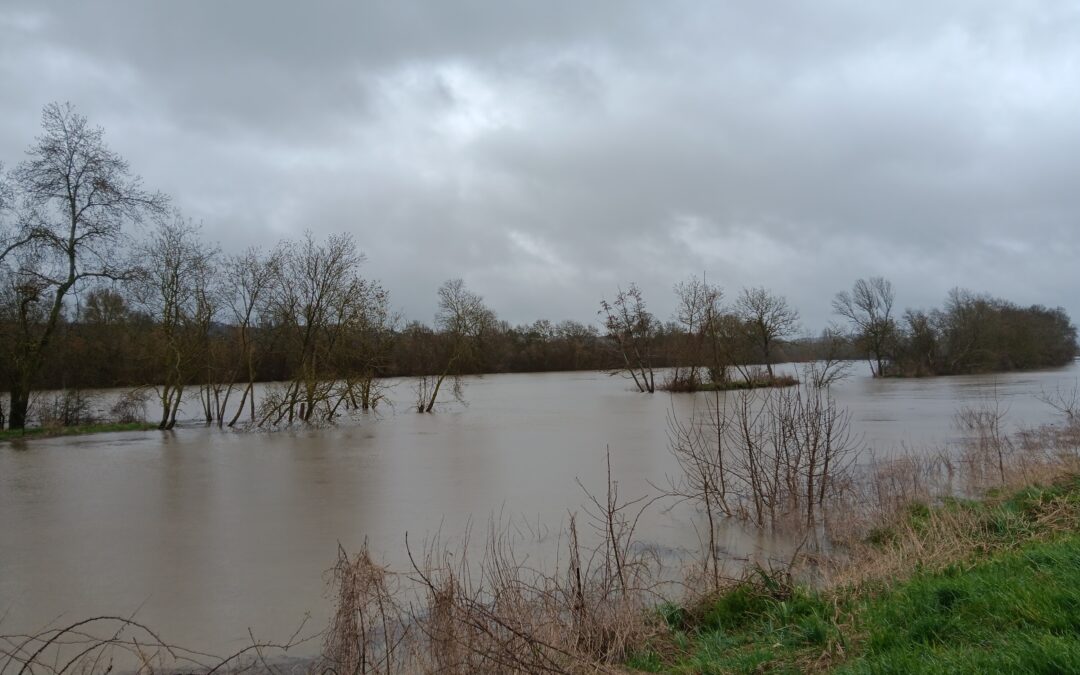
point(777, 381)
point(48, 432)
point(1011, 603)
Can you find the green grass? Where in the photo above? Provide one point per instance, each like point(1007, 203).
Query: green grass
point(39, 432)
point(1017, 612)
point(1013, 607)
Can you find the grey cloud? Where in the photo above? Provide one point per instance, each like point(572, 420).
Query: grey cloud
point(549, 152)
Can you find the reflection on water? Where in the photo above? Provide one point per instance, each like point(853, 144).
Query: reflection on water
point(207, 533)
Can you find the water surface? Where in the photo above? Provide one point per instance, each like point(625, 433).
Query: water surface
point(207, 533)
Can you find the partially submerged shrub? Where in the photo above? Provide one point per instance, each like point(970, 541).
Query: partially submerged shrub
point(69, 408)
point(130, 407)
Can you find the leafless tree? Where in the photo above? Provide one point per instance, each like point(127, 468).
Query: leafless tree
point(76, 200)
point(697, 312)
point(176, 287)
point(316, 302)
point(633, 329)
point(869, 308)
point(771, 456)
point(767, 318)
point(831, 367)
point(464, 320)
point(1064, 401)
point(247, 279)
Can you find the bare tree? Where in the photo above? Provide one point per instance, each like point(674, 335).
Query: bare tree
point(697, 312)
point(869, 308)
point(316, 302)
point(633, 330)
point(464, 320)
point(766, 318)
point(769, 456)
point(831, 366)
point(248, 279)
point(76, 199)
point(176, 288)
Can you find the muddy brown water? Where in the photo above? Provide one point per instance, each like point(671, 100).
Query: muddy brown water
point(204, 534)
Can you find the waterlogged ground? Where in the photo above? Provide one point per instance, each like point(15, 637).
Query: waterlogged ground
point(205, 534)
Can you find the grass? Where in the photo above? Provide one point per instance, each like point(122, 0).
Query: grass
point(48, 432)
point(1010, 602)
point(737, 384)
point(755, 383)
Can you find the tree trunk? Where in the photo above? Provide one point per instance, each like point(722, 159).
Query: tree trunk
point(20, 404)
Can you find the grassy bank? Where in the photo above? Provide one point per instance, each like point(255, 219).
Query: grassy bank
point(81, 430)
point(990, 586)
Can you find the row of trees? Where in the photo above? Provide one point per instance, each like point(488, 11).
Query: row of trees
point(170, 311)
point(712, 345)
point(971, 333)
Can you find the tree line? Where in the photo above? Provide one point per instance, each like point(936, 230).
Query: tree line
point(710, 344)
point(103, 283)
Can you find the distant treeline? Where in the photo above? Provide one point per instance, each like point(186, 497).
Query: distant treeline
point(971, 333)
point(108, 342)
point(85, 303)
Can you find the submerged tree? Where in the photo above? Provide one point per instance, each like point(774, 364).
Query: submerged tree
point(869, 308)
point(176, 287)
point(316, 303)
point(247, 280)
point(75, 200)
point(697, 316)
point(633, 330)
point(767, 318)
point(464, 321)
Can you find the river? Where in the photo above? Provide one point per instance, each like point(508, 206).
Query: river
point(204, 533)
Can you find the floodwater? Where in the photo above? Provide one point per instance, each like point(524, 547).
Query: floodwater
point(203, 533)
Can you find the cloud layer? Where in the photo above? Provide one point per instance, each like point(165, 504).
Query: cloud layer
point(549, 152)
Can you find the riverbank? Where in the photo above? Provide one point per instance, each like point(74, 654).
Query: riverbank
point(80, 430)
point(989, 586)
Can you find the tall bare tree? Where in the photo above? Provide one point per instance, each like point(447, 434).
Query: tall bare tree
point(76, 199)
point(464, 320)
point(316, 303)
point(633, 330)
point(176, 287)
point(247, 279)
point(767, 318)
point(869, 308)
point(697, 312)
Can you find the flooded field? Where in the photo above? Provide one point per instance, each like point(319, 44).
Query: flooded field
point(204, 533)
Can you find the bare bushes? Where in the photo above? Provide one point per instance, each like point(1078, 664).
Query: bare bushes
point(768, 457)
point(68, 408)
point(990, 457)
point(130, 407)
point(499, 614)
point(367, 632)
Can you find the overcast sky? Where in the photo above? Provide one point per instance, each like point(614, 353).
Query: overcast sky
point(547, 152)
